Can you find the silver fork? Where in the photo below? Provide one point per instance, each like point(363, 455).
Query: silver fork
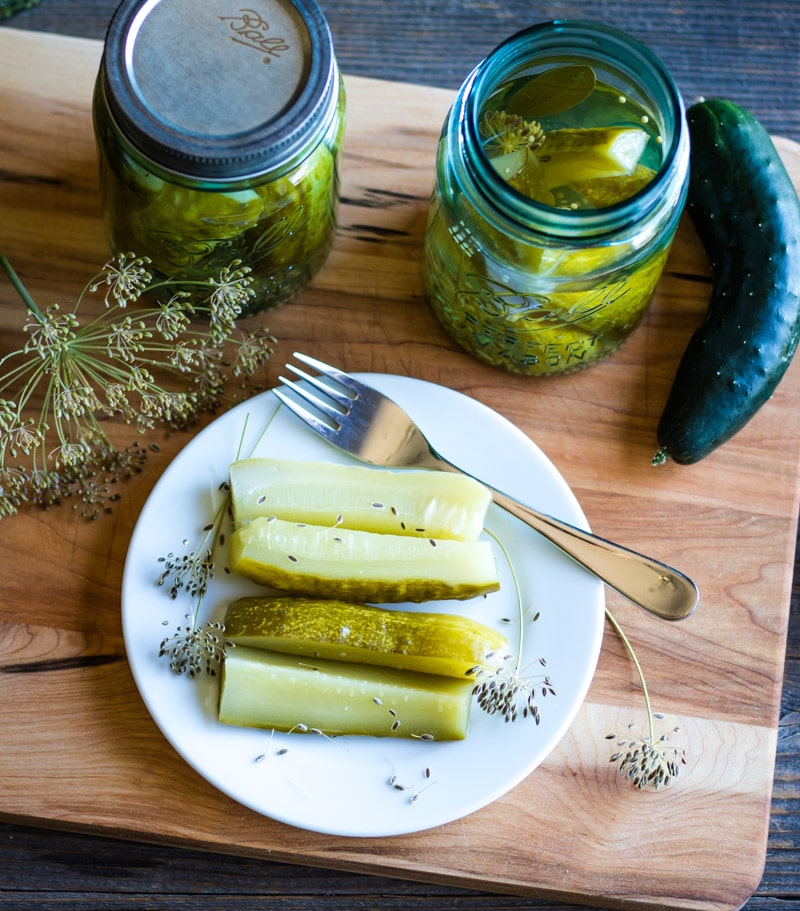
point(371, 427)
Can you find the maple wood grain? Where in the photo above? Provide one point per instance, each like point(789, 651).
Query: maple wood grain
point(81, 752)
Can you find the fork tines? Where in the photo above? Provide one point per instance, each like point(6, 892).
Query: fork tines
point(333, 402)
point(326, 370)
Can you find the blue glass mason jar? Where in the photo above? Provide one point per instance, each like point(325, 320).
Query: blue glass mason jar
point(561, 175)
point(219, 133)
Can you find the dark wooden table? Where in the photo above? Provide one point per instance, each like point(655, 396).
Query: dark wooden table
point(747, 50)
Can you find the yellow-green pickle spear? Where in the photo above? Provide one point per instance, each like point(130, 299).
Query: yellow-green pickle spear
point(431, 643)
point(340, 536)
point(341, 668)
point(290, 693)
point(323, 562)
point(416, 502)
point(360, 533)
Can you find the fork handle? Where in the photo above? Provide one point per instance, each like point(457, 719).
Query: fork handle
point(653, 585)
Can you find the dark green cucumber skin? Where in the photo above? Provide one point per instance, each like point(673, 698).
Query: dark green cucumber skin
point(747, 214)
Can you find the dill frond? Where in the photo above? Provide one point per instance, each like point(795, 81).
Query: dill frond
point(148, 353)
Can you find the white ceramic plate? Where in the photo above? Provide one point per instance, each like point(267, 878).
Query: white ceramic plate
point(343, 786)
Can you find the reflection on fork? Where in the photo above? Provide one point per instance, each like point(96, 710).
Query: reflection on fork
point(371, 427)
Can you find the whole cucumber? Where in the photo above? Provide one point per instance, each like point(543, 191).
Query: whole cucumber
point(747, 215)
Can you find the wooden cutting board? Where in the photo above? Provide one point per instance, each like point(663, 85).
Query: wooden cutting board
point(79, 749)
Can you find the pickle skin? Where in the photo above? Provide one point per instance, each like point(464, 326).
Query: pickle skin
point(443, 644)
point(414, 502)
point(262, 689)
point(359, 566)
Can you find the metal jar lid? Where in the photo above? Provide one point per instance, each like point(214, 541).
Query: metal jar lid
point(211, 90)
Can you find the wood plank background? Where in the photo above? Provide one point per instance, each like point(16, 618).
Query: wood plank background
point(48, 868)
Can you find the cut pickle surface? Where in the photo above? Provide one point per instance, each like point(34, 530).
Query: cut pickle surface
point(358, 566)
point(414, 502)
point(264, 689)
point(433, 643)
point(570, 156)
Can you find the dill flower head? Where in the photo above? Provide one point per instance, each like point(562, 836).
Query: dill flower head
point(196, 649)
point(506, 133)
point(646, 760)
point(508, 692)
point(144, 351)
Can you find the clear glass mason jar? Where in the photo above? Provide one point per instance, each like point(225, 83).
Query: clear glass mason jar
point(219, 139)
point(548, 269)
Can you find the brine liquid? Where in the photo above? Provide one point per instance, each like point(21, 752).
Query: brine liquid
point(593, 153)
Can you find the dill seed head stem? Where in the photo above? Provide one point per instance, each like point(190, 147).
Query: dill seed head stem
point(645, 760)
